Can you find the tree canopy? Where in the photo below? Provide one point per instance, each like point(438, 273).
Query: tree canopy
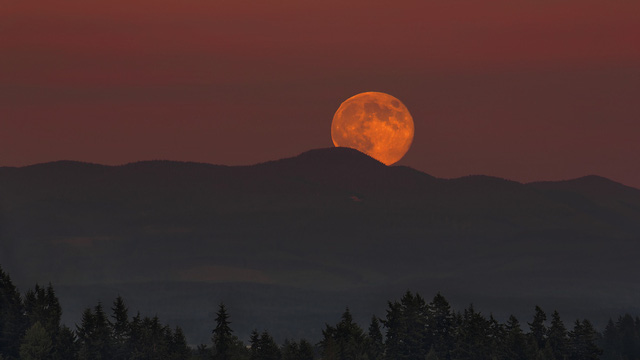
point(412, 329)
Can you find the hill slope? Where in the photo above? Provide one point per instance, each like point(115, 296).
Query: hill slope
point(327, 223)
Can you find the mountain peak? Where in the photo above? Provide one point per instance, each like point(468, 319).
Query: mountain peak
point(334, 156)
point(336, 152)
point(327, 161)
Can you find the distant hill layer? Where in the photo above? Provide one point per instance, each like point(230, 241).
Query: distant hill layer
point(326, 220)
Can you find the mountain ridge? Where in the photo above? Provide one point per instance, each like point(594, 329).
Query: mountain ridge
point(313, 153)
point(327, 221)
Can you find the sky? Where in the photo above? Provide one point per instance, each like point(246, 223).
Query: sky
point(526, 90)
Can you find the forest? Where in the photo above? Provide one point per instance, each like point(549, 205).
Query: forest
point(413, 329)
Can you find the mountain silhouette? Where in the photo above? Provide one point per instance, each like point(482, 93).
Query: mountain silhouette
point(331, 224)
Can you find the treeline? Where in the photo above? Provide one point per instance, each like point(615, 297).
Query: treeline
point(413, 329)
point(30, 329)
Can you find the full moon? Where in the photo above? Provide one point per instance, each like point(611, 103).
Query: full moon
point(374, 123)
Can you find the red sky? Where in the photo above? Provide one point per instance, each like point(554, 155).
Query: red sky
point(526, 90)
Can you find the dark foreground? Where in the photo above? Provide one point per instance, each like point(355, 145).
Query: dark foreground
point(289, 243)
point(30, 328)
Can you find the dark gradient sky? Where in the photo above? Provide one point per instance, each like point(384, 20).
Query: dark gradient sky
point(526, 90)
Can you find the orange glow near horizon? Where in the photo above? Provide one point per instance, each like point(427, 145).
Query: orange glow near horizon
point(376, 124)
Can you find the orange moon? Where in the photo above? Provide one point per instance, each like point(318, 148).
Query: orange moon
point(374, 123)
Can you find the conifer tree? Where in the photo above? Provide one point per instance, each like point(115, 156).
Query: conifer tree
point(328, 346)
point(306, 350)
point(102, 332)
point(37, 344)
point(582, 342)
point(497, 335)
point(254, 342)
point(85, 334)
point(406, 328)
point(94, 335)
point(54, 310)
point(13, 322)
point(155, 340)
point(515, 341)
point(42, 305)
point(290, 349)
point(611, 344)
point(34, 304)
point(441, 326)
point(149, 339)
point(263, 347)
point(223, 339)
point(538, 334)
point(375, 341)
point(350, 338)
point(628, 337)
point(66, 347)
point(472, 340)
point(135, 336)
point(557, 337)
point(345, 341)
point(178, 348)
point(120, 331)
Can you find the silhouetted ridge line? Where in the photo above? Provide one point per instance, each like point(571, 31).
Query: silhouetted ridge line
point(328, 220)
point(64, 165)
point(583, 183)
point(336, 156)
point(322, 159)
point(168, 163)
